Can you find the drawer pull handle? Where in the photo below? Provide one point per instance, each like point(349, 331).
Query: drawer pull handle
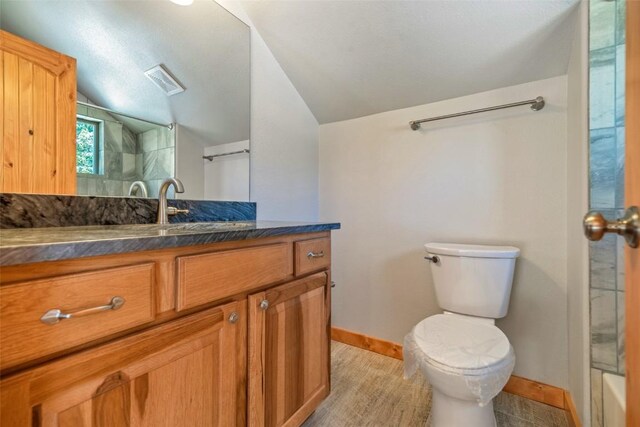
point(264, 304)
point(315, 254)
point(54, 316)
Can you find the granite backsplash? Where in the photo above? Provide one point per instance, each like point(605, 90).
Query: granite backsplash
point(36, 210)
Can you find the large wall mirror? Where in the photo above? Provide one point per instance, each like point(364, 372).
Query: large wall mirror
point(163, 91)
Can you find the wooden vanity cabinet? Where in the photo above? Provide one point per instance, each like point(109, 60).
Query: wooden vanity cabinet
point(187, 372)
point(289, 330)
point(241, 337)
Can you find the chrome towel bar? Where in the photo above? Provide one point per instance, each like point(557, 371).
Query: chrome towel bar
point(536, 105)
point(212, 156)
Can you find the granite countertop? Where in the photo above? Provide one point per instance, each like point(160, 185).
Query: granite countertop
point(28, 245)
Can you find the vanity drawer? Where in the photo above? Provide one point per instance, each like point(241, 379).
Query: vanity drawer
point(212, 276)
point(25, 336)
point(312, 255)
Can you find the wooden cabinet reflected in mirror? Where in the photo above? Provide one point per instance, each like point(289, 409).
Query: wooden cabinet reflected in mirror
point(38, 124)
point(159, 89)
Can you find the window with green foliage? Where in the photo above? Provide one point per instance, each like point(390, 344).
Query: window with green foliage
point(87, 146)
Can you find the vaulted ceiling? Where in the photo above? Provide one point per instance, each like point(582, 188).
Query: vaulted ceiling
point(347, 59)
point(354, 58)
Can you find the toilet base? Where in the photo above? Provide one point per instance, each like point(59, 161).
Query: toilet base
point(447, 411)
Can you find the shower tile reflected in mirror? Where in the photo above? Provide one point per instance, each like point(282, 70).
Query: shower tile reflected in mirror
point(606, 191)
point(157, 149)
point(127, 150)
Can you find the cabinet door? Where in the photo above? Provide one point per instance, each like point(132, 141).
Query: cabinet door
point(38, 129)
point(288, 351)
point(188, 372)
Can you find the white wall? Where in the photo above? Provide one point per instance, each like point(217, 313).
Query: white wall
point(227, 177)
point(577, 205)
point(189, 164)
point(496, 178)
point(284, 138)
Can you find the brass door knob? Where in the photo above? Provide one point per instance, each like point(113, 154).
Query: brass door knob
point(595, 226)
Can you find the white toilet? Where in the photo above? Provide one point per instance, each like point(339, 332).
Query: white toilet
point(464, 356)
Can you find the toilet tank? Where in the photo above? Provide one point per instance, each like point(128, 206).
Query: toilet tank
point(473, 279)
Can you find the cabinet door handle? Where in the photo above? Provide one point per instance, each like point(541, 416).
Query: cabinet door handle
point(233, 317)
point(264, 304)
point(315, 254)
point(55, 315)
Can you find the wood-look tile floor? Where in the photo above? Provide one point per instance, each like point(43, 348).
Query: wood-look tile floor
point(367, 389)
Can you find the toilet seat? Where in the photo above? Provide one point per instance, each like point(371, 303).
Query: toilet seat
point(461, 358)
point(462, 346)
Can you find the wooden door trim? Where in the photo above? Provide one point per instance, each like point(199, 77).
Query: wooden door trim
point(632, 198)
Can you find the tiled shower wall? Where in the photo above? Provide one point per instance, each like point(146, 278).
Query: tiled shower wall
point(606, 124)
point(127, 157)
point(156, 148)
point(118, 153)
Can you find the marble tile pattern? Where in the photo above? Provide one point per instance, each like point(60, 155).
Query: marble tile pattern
point(602, 20)
point(606, 164)
point(128, 141)
point(22, 246)
point(37, 211)
point(602, 168)
point(621, 15)
point(157, 147)
point(619, 174)
point(602, 76)
point(620, 257)
point(620, 338)
point(607, 316)
point(620, 84)
point(604, 338)
point(367, 389)
point(602, 263)
point(126, 157)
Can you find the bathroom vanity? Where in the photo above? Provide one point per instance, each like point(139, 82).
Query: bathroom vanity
point(174, 325)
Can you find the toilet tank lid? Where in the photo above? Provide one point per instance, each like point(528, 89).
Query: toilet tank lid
point(472, 251)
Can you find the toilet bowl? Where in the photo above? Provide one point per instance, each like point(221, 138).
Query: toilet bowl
point(466, 363)
point(465, 358)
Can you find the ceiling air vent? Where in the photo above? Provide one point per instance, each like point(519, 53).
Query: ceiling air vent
point(161, 78)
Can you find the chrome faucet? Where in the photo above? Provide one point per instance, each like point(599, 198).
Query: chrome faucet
point(138, 186)
point(163, 210)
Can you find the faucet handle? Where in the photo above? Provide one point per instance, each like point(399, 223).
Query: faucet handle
point(171, 210)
